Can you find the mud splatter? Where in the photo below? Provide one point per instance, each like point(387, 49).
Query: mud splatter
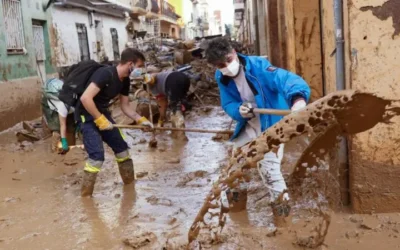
point(141, 240)
point(388, 9)
point(346, 112)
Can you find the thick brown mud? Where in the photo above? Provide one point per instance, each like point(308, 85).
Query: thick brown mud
point(41, 207)
point(342, 113)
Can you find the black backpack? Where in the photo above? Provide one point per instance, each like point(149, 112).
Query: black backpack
point(76, 81)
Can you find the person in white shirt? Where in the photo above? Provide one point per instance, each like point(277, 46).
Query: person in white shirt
point(247, 82)
point(56, 112)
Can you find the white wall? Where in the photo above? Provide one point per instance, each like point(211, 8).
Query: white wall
point(109, 22)
point(65, 38)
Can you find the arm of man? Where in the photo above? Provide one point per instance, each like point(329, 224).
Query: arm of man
point(126, 109)
point(88, 102)
point(290, 85)
point(63, 126)
point(230, 101)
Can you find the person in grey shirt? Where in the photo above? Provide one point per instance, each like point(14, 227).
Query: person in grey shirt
point(170, 89)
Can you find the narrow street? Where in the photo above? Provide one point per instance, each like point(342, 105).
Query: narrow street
point(290, 108)
point(41, 207)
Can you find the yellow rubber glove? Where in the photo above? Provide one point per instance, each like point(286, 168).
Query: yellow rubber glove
point(103, 123)
point(143, 121)
point(149, 79)
point(160, 123)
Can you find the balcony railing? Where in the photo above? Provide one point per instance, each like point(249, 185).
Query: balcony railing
point(140, 4)
point(168, 10)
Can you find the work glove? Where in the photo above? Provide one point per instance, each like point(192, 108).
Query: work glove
point(64, 146)
point(149, 79)
point(245, 111)
point(298, 105)
point(160, 123)
point(144, 122)
point(103, 123)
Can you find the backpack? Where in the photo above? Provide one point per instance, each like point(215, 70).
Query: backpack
point(76, 81)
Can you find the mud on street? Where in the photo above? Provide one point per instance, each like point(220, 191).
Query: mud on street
point(41, 207)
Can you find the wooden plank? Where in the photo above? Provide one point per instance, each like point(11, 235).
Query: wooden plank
point(290, 37)
point(273, 23)
point(282, 34)
point(308, 44)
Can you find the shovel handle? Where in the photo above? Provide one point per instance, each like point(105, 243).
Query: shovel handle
point(271, 111)
point(195, 130)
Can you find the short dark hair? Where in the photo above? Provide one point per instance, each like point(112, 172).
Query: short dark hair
point(218, 49)
point(131, 55)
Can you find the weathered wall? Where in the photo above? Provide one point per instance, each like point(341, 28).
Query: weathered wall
point(375, 160)
point(308, 44)
point(20, 86)
point(117, 23)
point(21, 66)
point(65, 36)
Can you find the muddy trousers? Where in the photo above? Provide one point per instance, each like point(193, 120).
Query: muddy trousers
point(269, 169)
point(271, 174)
point(93, 140)
point(176, 87)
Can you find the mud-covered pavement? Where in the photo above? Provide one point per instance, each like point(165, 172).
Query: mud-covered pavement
point(41, 207)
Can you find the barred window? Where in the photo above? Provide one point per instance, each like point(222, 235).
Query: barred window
point(14, 30)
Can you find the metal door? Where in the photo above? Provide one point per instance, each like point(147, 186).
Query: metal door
point(40, 54)
point(83, 41)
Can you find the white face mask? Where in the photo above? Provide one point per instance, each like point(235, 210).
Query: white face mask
point(232, 70)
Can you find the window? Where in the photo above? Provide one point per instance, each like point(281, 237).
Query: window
point(13, 26)
point(115, 43)
point(83, 41)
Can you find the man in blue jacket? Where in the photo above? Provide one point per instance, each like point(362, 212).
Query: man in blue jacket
point(247, 82)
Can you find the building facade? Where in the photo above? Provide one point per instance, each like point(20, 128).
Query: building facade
point(26, 58)
point(155, 19)
point(82, 30)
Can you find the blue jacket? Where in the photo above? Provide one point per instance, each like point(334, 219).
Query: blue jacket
point(273, 88)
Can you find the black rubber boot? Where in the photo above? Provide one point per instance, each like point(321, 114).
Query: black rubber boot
point(89, 179)
point(126, 171)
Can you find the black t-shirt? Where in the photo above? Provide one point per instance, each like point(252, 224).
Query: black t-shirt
point(106, 78)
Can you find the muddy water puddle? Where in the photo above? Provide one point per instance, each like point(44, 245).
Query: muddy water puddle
point(40, 205)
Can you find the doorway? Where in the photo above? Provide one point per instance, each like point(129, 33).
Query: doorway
point(40, 53)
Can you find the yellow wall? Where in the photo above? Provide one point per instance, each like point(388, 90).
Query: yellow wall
point(178, 4)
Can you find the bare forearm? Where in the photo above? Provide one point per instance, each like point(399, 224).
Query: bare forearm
point(91, 108)
point(130, 113)
point(63, 126)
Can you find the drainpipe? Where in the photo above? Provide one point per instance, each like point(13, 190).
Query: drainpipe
point(340, 85)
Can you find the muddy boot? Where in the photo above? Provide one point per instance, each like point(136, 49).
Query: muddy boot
point(89, 179)
point(178, 121)
point(281, 210)
point(237, 200)
point(126, 171)
point(280, 206)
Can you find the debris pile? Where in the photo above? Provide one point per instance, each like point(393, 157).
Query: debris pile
point(184, 56)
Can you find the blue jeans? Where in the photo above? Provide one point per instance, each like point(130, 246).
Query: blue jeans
point(93, 140)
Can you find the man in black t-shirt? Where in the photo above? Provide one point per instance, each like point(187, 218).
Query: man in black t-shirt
point(96, 122)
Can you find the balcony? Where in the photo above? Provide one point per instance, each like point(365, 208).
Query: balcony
point(168, 13)
point(203, 23)
point(139, 7)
